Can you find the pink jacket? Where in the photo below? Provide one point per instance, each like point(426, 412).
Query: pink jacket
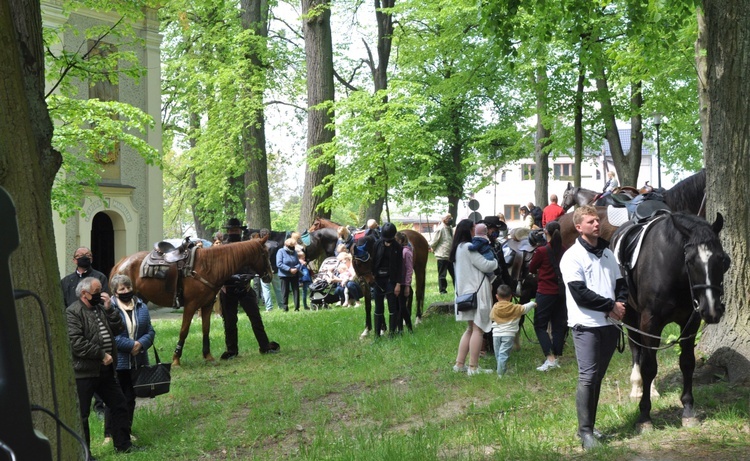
point(408, 268)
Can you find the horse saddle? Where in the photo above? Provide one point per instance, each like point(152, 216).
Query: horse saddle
point(639, 209)
point(629, 238)
point(157, 263)
point(618, 200)
point(521, 253)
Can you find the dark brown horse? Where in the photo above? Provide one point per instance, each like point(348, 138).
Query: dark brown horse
point(580, 196)
point(687, 195)
point(421, 250)
point(212, 267)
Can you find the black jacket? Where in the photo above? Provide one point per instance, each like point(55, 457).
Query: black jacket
point(85, 339)
point(70, 282)
point(395, 260)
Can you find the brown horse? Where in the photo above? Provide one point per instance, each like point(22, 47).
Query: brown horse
point(212, 267)
point(421, 250)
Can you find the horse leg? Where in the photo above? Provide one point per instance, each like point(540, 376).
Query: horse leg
point(687, 366)
point(420, 277)
point(206, 319)
point(648, 368)
point(187, 317)
point(368, 309)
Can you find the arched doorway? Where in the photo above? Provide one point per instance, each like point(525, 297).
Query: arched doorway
point(103, 243)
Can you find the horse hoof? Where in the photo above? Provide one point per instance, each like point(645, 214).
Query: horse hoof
point(175, 362)
point(208, 358)
point(644, 428)
point(690, 422)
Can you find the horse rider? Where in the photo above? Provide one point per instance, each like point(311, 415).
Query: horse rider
point(387, 266)
point(236, 291)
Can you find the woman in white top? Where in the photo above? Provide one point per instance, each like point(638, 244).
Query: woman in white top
point(471, 268)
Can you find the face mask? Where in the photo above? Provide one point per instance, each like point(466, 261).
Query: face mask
point(233, 238)
point(495, 235)
point(125, 297)
point(95, 299)
point(84, 262)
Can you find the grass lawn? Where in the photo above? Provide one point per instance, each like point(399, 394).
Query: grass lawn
point(329, 395)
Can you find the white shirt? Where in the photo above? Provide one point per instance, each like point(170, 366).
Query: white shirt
point(600, 276)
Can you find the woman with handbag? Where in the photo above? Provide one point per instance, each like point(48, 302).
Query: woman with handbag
point(132, 343)
point(550, 313)
point(470, 269)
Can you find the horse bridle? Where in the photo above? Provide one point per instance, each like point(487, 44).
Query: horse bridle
point(701, 286)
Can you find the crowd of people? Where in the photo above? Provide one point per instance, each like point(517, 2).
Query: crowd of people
point(579, 289)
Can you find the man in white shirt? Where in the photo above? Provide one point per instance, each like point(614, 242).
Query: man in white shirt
point(596, 293)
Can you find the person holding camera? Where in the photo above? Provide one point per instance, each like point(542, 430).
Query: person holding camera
point(551, 313)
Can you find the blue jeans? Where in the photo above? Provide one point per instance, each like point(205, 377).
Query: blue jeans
point(266, 292)
point(503, 345)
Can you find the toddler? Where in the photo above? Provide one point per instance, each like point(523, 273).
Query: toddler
point(505, 318)
point(480, 243)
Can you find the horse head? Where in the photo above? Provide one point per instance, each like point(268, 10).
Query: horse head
point(705, 263)
point(362, 258)
point(316, 224)
point(568, 197)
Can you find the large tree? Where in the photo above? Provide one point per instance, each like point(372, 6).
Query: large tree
point(727, 156)
point(316, 20)
point(28, 165)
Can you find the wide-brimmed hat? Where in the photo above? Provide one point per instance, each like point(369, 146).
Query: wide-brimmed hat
point(494, 221)
point(234, 223)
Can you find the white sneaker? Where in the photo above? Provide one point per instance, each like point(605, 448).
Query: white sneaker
point(461, 369)
point(365, 333)
point(547, 365)
point(478, 371)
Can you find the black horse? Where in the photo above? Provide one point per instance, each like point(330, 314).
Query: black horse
point(320, 243)
point(677, 278)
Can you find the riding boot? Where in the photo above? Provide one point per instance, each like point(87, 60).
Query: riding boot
point(231, 340)
point(585, 408)
point(379, 324)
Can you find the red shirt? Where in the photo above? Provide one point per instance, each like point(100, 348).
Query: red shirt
point(547, 276)
point(551, 212)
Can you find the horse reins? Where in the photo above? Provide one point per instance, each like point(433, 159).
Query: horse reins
point(624, 326)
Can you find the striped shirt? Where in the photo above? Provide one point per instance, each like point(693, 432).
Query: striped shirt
point(107, 343)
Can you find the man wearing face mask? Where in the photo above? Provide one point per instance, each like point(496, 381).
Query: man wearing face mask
point(93, 324)
point(237, 291)
point(82, 259)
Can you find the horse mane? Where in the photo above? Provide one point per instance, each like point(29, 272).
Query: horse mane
point(224, 260)
point(696, 229)
point(687, 194)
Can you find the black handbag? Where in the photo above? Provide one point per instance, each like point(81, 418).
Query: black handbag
point(152, 380)
point(468, 301)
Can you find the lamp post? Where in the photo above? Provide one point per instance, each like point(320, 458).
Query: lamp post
point(657, 123)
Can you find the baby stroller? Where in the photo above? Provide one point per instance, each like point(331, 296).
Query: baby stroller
point(322, 291)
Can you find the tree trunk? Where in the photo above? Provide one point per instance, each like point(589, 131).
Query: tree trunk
point(541, 155)
point(700, 65)
point(380, 80)
point(727, 156)
point(316, 22)
point(27, 169)
point(627, 166)
point(578, 125)
point(200, 228)
point(257, 200)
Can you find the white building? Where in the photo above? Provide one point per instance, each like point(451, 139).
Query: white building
point(130, 217)
point(513, 185)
